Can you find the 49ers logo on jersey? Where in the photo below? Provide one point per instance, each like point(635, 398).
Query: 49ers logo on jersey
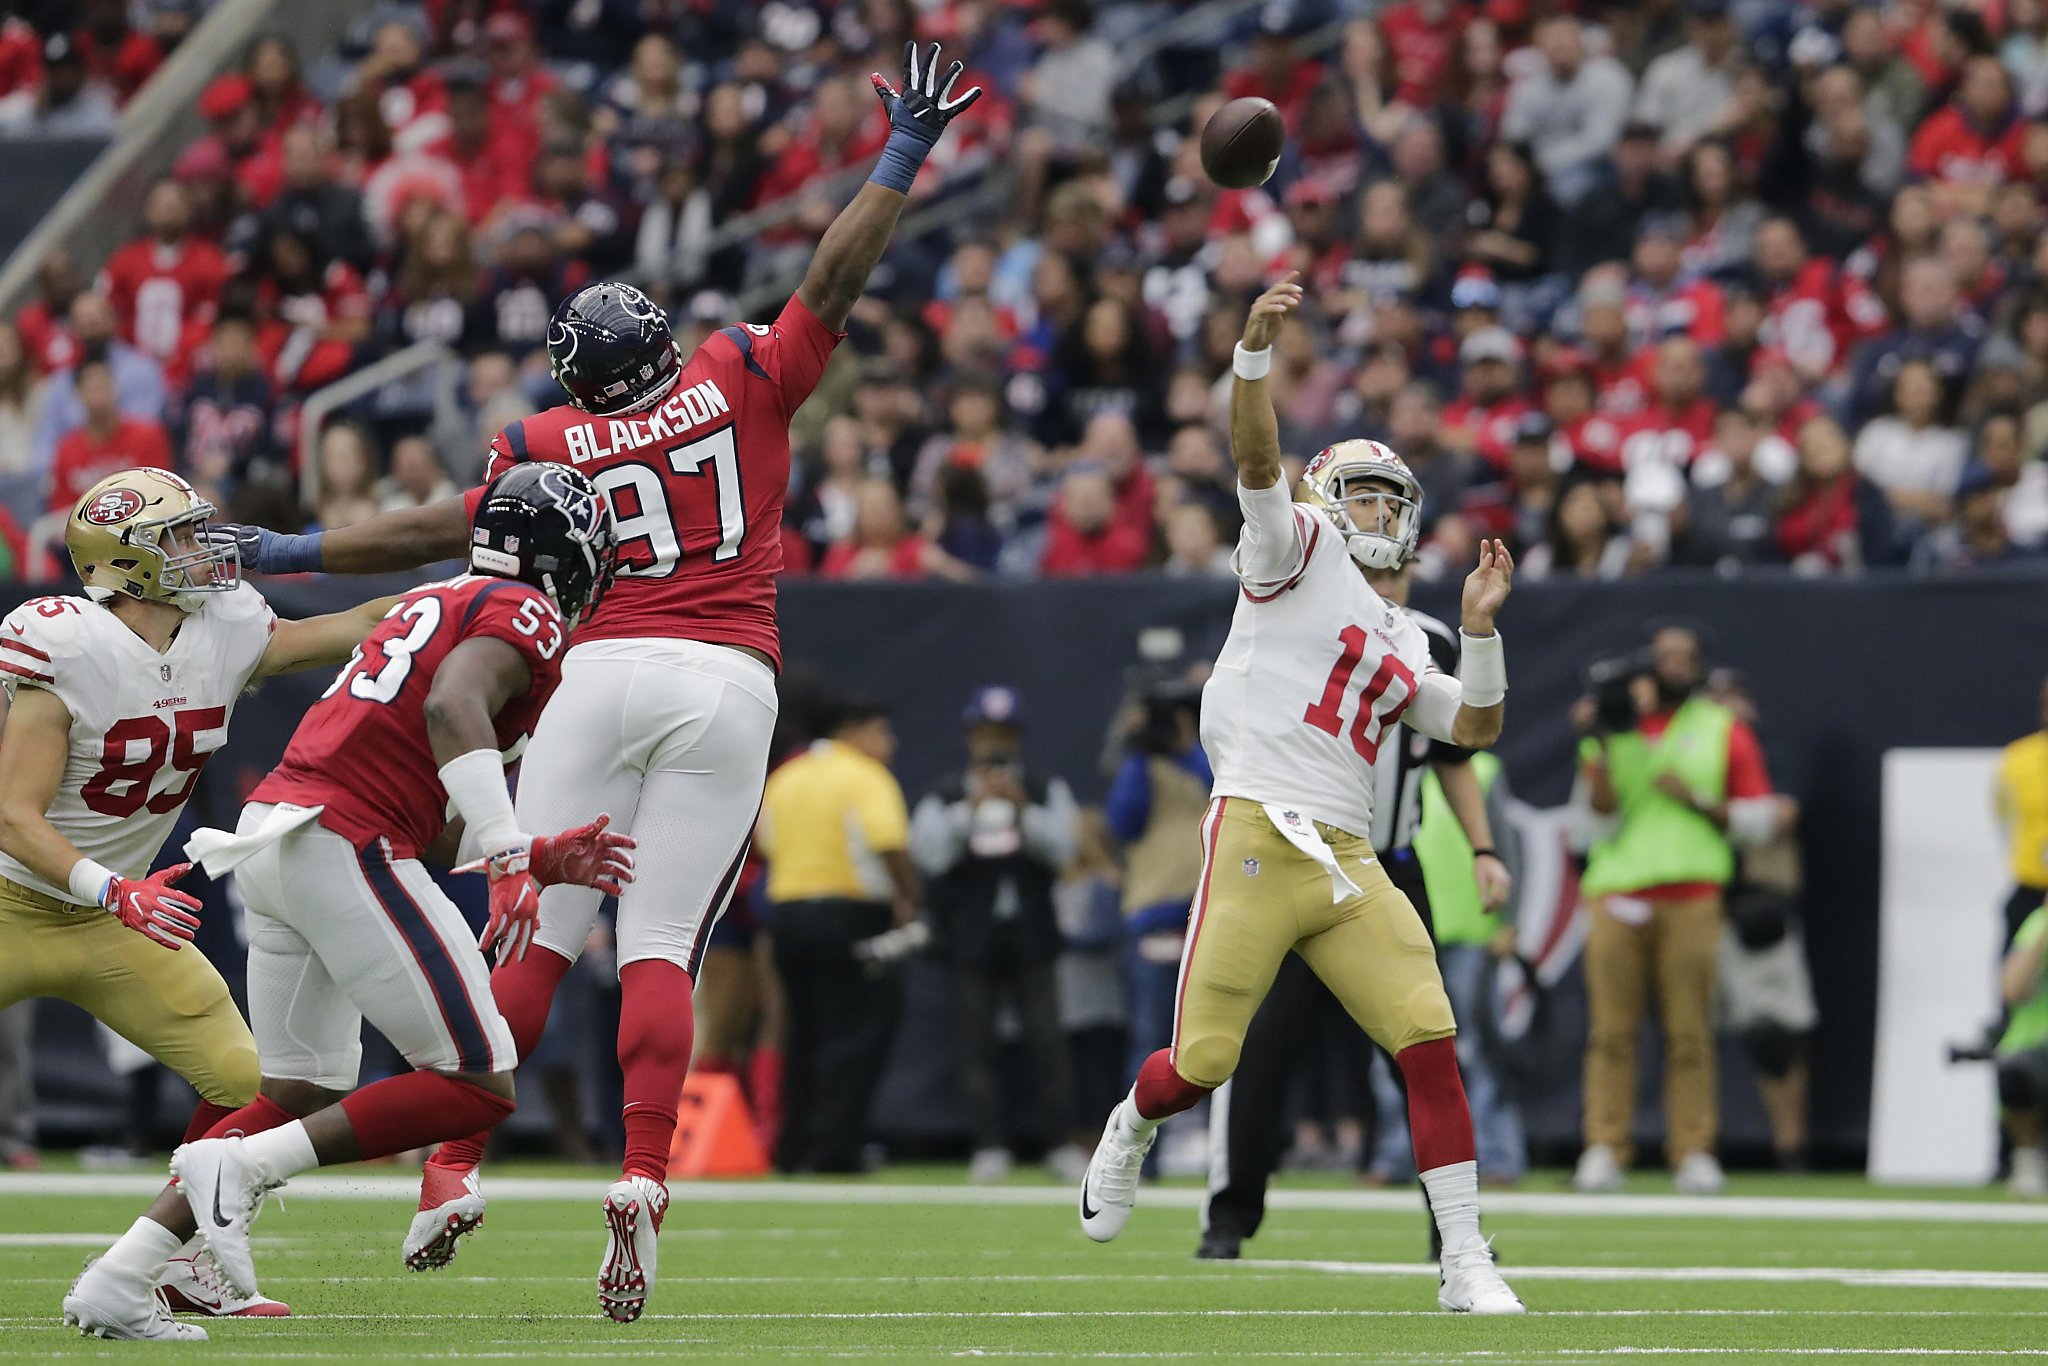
point(113, 507)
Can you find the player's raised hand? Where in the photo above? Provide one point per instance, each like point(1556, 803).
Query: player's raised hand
point(152, 909)
point(1486, 588)
point(589, 856)
point(1270, 310)
point(926, 103)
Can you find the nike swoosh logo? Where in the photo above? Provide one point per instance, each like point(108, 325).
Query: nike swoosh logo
point(1086, 1211)
point(219, 1220)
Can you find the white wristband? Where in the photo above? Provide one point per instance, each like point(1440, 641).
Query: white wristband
point(89, 882)
point(1482, 670)
point(1251, 365)
point(475, 783)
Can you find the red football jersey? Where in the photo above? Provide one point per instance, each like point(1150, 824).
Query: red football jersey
point(696, 484)
point(156, 290)
point(362, 752)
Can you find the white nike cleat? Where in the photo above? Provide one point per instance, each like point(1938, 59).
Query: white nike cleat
point(1471, 1285)
point(1700, 1174)
point(1110, 1187)
point(226, 1194)
point(1599, 1171)
point(191, 1283)
point(632, 1215)
point(451, 1208)
point(106, 1303)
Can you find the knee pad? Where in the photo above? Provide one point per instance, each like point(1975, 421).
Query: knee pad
point(236, 1076)
point(2023, 1080)
point(1207, 1061)
point(1426, 1015)
point(1772, 1047)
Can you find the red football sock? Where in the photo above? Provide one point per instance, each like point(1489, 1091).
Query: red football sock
point(1439, 1120)
point(656, 1029)
point(764, 1093)
point(259, 1114)
point(524, 989)
point(1161, 1091)
point(414, 1109)
point(204, 1116)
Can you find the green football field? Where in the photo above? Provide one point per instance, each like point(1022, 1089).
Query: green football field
point(922, 1267)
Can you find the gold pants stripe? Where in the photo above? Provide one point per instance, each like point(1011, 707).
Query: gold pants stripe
point(171, 1004)
point(1260, 898)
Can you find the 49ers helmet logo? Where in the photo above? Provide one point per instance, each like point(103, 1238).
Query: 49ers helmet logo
point(113, 507)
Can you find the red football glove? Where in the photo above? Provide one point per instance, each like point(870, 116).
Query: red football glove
point(515, 903)
point(588, 856)
point(149, 907)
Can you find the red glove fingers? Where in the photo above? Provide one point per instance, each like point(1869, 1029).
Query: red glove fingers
point(151, 908)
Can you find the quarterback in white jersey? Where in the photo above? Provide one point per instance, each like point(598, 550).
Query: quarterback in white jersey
point(113, 703)
point(1317, 670)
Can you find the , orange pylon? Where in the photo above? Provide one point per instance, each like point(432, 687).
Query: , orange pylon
point(714, 1133)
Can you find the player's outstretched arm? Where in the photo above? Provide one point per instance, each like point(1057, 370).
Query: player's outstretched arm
point(1254, 427)
point(317, 642)
point(386, 544)
point(918, 114)
point(36, 728)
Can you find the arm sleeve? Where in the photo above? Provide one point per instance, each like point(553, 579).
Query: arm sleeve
point(1444, 654)
point(1129, 804)
point(791, 352)
point(1435, 708)
point(938, 835)
point(884, 820)
point(1052, 827)
point(1278, 537)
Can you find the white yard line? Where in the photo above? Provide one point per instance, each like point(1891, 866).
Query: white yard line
point(1856, 1276)
point(1565, 1204)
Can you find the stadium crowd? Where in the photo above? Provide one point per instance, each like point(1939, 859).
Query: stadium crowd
point(1703, 283)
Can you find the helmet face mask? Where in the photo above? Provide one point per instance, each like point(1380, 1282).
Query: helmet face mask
point(1372, 497)
point(142, 534)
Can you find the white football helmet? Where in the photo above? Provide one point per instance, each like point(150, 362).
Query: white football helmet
point(1373, 498)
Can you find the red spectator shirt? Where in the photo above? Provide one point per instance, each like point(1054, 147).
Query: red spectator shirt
point(1747, 777)
point(156, 290)
point(126, 66)
point(1290, 94)
point(1820, 315)
point(1698, 310)
point(1119, 548)
point(362, 751)
point(515, 109)
point(1595, 440)
point(1422, 51)
point(83, 459)
point(289, 339)
point(1949, 147)
point(21, 56)
point(1669, 436)
point(696, 484)
point(1622, 388)
point(1489, 428)
point(46, 337)
point(905, 561)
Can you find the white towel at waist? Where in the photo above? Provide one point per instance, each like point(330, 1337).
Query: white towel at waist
point(261, 825)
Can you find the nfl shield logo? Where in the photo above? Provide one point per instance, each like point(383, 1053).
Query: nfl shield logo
point(165, 670)
point(1251, 867)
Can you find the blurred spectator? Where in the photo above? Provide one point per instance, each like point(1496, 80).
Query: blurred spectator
point(1896, 89)
point(1818, 311)
point(1584, 539)
point(1277, 70)
point(1482, 419)
point(1513, 226)
point(589, 229)
point(225, 425)
point(1977, 538)
point(21, 397)
point(312, 202)
point(1422, 39)
point(310, 318)
point(436, 287)
point(138, 380)
point(2020, 797)
point(1973, 143)
point(1930, 329)
point(1415, 428)
point(1685, 92)
point(1159, 794)
point(1660, 301)
point(2023, 482)
point(1086, 533)
point(835, 833)
point(882, 545)
point(976, 436)
point(1724, 218)
point(69, 102)
point(1729, 514)
point(1910, 454)
point(990, 843)
point(348, 476)
point(2023, 1055)
point(1088, 903)
point(1673, 792)
point(416, 477)
point(164, 282)
point(1107, 361)
point(518, 82)
point(1829, 516)
point(108, 441)
point(672, 246)
point(1194, 544)
point(45, 320)
point(1569, 107)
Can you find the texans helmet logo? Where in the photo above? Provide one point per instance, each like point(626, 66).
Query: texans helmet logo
point(113, 507)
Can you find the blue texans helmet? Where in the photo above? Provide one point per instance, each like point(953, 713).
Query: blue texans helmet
point(610, 346)
point(547, 525)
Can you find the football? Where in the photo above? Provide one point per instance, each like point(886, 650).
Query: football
point(1241, 143)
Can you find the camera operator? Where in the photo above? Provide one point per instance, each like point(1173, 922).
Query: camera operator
point(991, 843)
point(1673, 783)
point(1155, 808)
point(2022, 1054)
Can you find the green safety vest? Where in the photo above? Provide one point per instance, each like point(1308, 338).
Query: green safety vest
point(1660, 841)
point(1446, 858)
point(2028, 1026)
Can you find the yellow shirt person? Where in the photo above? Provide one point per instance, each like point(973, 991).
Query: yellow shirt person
point(2022, 798)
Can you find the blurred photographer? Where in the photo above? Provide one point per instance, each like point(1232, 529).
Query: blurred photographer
point(1155, 808)
point(2022, 1054)
point(991, 843)
point(1673, 783)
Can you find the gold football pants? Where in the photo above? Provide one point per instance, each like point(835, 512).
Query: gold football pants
point(171, 1004)
point(1260, 897)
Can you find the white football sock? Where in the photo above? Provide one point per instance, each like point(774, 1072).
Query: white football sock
point(143, 1250)
point(1454, 1200)
point(1135, 1122)
point(281, 1152)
